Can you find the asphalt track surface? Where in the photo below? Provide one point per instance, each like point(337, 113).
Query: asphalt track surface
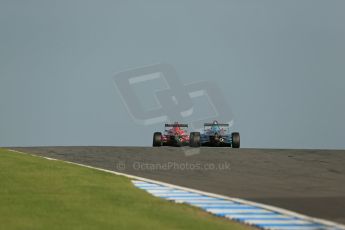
point(310, 182)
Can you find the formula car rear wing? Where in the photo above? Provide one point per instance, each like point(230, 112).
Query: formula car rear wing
point(176, 125)
point(219, 124)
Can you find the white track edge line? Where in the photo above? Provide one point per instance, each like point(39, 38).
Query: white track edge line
point(264, 206)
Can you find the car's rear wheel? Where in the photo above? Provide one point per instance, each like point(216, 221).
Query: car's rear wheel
point(157, 139)
point(194, 139)
point(235, 140)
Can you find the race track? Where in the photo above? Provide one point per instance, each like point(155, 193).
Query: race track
point(310, 182)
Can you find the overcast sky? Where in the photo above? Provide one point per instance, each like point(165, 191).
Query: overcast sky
point(279, 64)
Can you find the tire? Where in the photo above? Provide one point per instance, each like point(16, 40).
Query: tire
point(194, 139)
point(235, 140)
point(157, 139)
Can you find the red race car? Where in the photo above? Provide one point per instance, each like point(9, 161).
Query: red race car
point(174, 135)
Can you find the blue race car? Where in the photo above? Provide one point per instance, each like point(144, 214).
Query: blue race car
point(217, 135)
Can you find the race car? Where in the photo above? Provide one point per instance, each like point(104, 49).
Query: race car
point(174, 135)
point(218, 135)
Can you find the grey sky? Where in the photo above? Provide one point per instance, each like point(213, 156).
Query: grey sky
point(280, 64)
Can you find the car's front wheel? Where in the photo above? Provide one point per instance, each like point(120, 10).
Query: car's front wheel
point(157, 139)
point(235, 140)
point(194, 139)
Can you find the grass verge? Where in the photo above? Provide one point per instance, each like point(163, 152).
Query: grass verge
point(36, 193)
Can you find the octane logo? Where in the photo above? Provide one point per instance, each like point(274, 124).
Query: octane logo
point(176, 100)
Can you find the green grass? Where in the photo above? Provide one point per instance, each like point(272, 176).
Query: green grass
point(36, 193)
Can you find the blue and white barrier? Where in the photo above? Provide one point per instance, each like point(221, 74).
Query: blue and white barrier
point(258, 215)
